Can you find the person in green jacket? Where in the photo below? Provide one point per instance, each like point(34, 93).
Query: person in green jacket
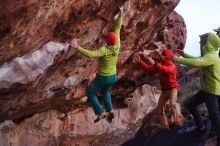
point(209, 62)
point(106, 76)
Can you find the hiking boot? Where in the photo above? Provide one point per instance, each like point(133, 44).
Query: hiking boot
point(110, 116)
point(100, 116)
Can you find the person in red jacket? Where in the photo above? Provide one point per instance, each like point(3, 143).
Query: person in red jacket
point(168, 83)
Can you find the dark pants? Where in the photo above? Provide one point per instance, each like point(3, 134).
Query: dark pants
point(219, 103)
point(102, 84)
point(212, 105)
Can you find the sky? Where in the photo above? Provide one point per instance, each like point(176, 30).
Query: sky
point(200, 16)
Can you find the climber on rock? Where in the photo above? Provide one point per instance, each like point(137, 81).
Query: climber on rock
point(168, 83)
point(106, 76)
point(209, 62)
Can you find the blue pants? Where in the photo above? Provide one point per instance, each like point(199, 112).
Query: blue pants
point(102, 84)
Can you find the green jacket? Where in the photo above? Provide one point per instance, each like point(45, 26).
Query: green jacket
point(210, 64)
point(107, 55)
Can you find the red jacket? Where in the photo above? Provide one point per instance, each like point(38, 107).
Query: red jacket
point(166, 70)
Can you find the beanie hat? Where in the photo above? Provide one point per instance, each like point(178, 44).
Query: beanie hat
point(217, 30)
point(111, 38)
point(167, 54)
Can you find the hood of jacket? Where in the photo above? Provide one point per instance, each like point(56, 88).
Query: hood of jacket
point(114, 49)
point(212, 44)
point(167, 57)
point(167, 54)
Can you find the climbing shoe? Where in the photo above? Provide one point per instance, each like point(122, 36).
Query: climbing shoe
point(110, 116)
point(100, 116)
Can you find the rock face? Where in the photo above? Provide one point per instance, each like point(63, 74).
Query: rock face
point(53, 128)
point(43, 81)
